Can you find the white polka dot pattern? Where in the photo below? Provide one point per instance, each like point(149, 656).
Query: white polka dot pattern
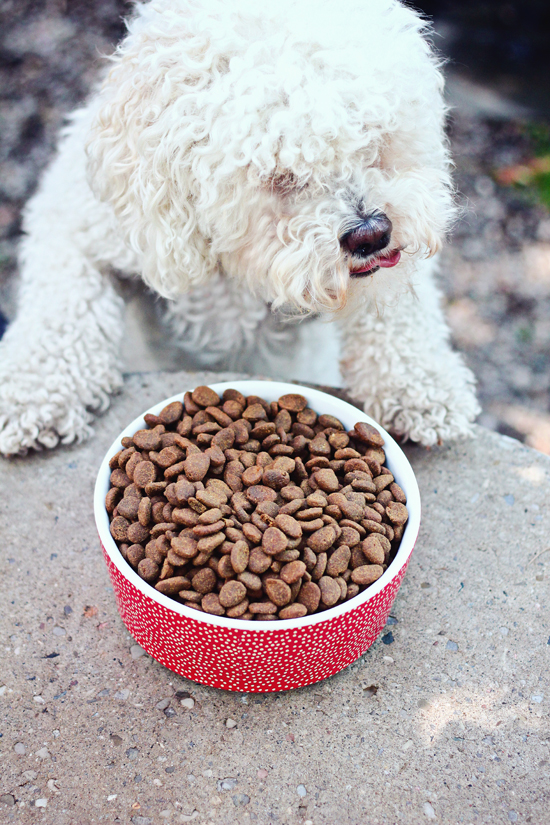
point(251, 660)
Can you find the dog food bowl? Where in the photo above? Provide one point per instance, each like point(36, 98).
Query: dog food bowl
point(242, 655)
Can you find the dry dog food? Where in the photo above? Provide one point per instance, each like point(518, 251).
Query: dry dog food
point(254, 510)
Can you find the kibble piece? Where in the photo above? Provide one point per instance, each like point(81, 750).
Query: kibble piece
point(288, 525)
point(309, 596)
point(293, 402)
point(293, 611)
point(372, 550)
point(148, 570)
point(320, 566)
point(144, 473)
point(232, 593)
point(171, 413)
point(195, 466)
point(330, 590)
point(169, 587)
point(368, 434)
point(259, 561)
point(326, 479)
point(205, 397)
point(119, 528)
point(395, 511)
point(147, 439)
point(367, 574)
point(136, 533)
point(338, 561)
point(204, 581)
point(135, 554)
point(250, 580)
point(239, 610)
point(259, 493)
point(262, 608)
point(322, 539)
point(239, 556)
point(274, 541)
point(380, 482)
point(211, 604)
point(278, 591)
point(293, 571)
point(119, 478)
point(129, 507)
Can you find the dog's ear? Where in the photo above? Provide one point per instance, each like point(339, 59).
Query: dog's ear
point(139, 160)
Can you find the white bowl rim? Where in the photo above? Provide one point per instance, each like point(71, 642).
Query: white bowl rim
point(271, 390)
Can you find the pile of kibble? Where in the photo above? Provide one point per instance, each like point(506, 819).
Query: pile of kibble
point(254, 510)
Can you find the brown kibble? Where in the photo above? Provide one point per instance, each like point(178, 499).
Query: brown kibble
point(232, 593)
point(307, 514)
point(119, 528)
point(211, 604)
point(147, 439)
point(169, 587)
point(137, 534)
point(144, 473)
point(372, 550)
point(330, 591)
point(322, 539)
point(259, 493)
point(274, 541)
point(259, 561)
point(293, 402)
point(292, 572)
point(293, 611)
point(205, 397)
point(278, 591)
point(196, 466)
point(309, 596)
point(380, 482)
point(129, 507)
point(320, 566)
point(395, 511)
point(367, 574)
point(398, 493)
point(253, 475)
point(135, 554)
point(239, 610)
point(240, 554)
point(119, 478)
point(144, 512)
point(327, 481)
point(368, 434)
point(288, 525)
point(148, 570)
point(338, 561)
point(204, 581)
point(262, 608)
point(171, 413)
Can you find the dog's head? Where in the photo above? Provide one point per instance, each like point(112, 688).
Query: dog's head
point(300, 148)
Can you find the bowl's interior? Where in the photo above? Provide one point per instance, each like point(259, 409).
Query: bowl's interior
point(320, 402)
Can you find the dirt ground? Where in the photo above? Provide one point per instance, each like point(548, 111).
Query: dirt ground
point(495, 271)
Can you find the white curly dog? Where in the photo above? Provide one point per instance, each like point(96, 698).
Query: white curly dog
point(243, 158)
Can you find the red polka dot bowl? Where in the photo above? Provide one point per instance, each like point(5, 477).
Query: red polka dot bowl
point(249, 656)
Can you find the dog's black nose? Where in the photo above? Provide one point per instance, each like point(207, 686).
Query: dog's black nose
point(371, 236)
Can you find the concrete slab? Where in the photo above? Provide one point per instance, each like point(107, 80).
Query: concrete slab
point(445, 718)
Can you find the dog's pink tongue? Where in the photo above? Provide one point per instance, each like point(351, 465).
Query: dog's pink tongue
point(394, 258)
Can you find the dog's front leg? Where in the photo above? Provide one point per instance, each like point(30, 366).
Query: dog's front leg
point(401, 366)
point(58, 359)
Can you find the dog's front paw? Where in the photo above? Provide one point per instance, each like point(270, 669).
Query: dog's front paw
point(35, 415)
point(431, 406)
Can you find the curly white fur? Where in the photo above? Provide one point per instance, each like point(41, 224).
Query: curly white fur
point(234, 140)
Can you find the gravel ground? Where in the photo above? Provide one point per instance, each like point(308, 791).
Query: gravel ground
point(496, 270)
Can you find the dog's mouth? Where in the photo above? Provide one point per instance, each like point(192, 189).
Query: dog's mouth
point(381, 262)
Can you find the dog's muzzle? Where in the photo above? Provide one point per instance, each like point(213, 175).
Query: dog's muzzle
point(373, 235)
